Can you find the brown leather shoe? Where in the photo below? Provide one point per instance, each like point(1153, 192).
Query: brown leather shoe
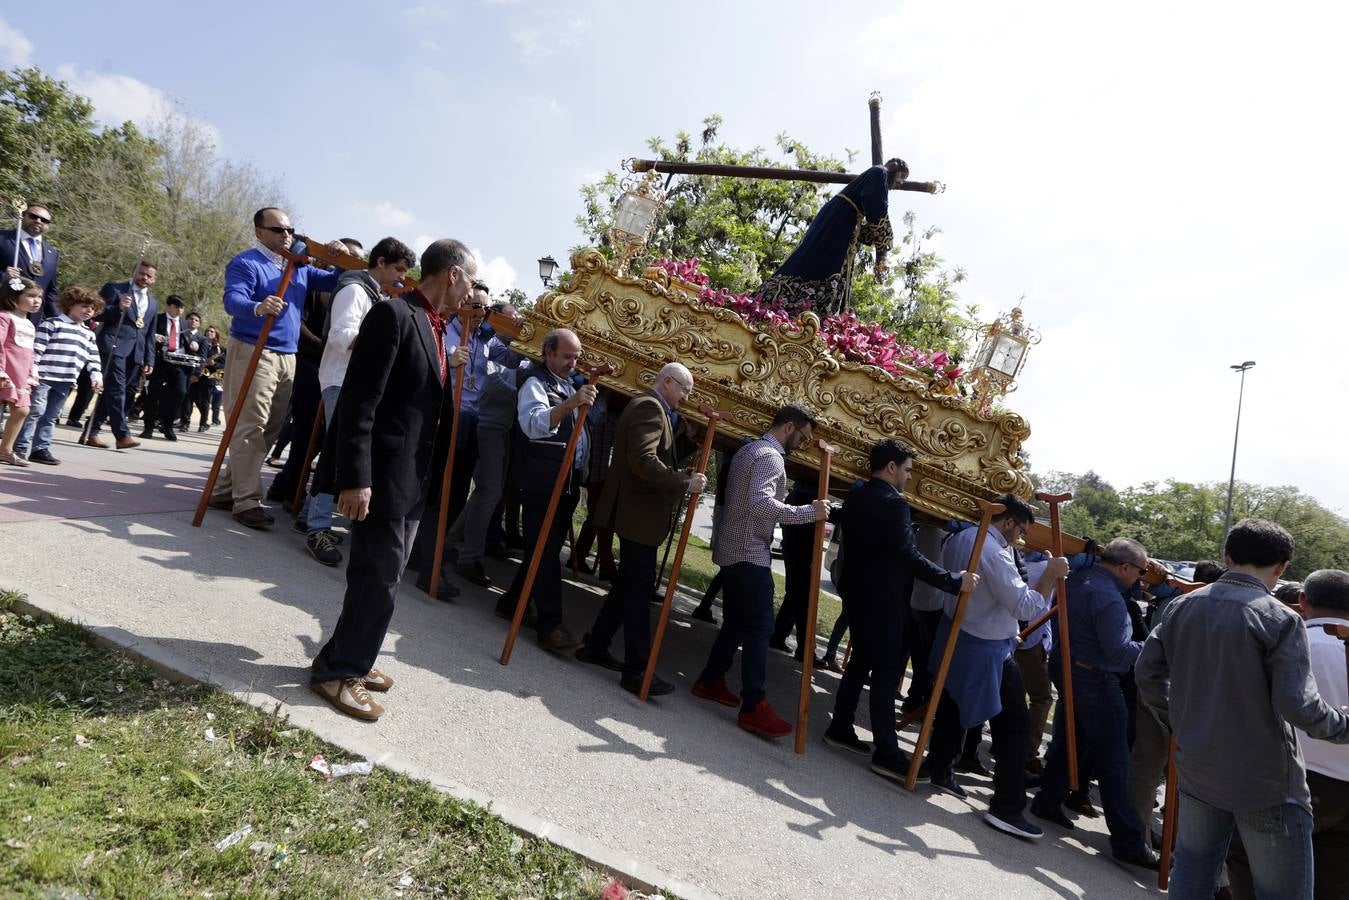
point(225, 503)
point(127, 443)
point(348, 695)
point(559, 639)
point(375, 680)
point(94, 440)
point(257, 517)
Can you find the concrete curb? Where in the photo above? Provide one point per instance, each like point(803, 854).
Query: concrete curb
point(175, 667)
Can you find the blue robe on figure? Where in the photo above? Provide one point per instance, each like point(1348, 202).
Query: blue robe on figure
point(818, 274)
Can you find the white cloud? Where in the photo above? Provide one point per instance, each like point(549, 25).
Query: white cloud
point(496, 273)
point(556, 30)
point(122, 98)
point(421, 242)
point(386, 215)
point(15, 48)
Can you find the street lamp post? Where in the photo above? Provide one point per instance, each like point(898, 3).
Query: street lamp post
point(1232, 479)
point(547, 268)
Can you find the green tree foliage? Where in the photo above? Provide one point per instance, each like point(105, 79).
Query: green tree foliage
point(112, 189)
point(1179, 520)
point(742, 229)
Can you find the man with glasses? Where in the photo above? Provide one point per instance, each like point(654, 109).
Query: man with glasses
point(640, 499)
point(36, 258)
point(1100, 633)
point(251, 281)
point(983, 683)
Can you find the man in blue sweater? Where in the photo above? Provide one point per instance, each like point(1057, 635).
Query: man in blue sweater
point(251, 281)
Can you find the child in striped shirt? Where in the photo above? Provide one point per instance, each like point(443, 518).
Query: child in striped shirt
point(63, 348)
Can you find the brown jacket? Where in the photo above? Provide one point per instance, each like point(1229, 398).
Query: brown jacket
point(644, 486)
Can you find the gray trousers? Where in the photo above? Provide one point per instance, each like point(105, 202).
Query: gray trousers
point(1147, 767)
point(469, 531)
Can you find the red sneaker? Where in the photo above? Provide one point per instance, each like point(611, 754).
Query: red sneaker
point(763, 721)
point(716, 690)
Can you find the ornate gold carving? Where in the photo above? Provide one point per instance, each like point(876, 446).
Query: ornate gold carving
point(638, 324)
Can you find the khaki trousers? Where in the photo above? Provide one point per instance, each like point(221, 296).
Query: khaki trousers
point(264, 409)
point(1034, 668)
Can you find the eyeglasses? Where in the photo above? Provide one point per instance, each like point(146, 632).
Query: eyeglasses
point(43, 219)
point(277, 229)
point(1142, 570)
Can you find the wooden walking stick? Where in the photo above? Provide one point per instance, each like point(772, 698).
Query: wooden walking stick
point(827, 452)
point(1065, 650)
point(466, 324)
point(295, 257)
point(988, 511)
point(297, 504)
point(563, 473)
point(705, 452)
point(1168, 817)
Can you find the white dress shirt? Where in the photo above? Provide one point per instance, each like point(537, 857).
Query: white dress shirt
point(1332, 680)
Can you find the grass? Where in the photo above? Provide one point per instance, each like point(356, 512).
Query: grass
point(109, 786)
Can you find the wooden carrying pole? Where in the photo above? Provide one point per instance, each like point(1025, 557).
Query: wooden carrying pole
point(298, 503)
point(563, 473)
point(807, 640)
point(874, 108)
point(988, 511)
point(679, 168)
point(1065, 649)
point(1168, 817)
point(295, 257)
point(705, 453)
point(442, 520)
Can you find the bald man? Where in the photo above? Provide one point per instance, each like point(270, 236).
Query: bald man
point(639, 502)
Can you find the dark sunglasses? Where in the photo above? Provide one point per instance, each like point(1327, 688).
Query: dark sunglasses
point(277, 229)
point(35, 218)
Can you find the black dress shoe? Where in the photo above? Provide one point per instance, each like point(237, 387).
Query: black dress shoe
point(145, 434)
point(1080, 803)
point(633, 685)
point(1141, 857)
point(972, 766)
point(1055, 815)
point(445, 592)
point(474, 573)
point(507, 611)
point(599, 658)
point(704, 614)
point(170, 434)
point(779, 645)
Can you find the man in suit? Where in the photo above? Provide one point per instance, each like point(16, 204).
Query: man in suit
point(168, 385)
point(36, 258)
point(880, 560)
point(126, 341)
point(639, 501)
point(378, 461)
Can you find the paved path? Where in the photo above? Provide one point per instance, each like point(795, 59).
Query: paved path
point(672, 785)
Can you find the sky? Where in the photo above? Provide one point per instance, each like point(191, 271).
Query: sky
point(1164, 183)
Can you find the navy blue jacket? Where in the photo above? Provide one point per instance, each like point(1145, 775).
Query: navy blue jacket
point(135, 344)
point(51, 258)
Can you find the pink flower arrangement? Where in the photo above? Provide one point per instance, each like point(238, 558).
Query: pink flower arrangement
point(614, 890)
point(851, 338)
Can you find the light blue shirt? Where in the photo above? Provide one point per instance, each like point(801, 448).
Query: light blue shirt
point(1002, 600)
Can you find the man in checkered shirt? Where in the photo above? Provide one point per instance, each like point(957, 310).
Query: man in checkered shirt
point(755, 488)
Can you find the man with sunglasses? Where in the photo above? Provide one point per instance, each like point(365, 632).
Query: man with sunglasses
point(1100, 633)
point(251, 281)
point(36, 258)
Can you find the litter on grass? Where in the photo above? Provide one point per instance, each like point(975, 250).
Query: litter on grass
point(230, 840)
point(339, 770)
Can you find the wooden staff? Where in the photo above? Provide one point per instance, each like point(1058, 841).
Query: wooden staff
point(807, 640)
point(1065, 649)
point(705, 452)
point(563, 473)
point(874, 107)
point(297, 504)
point(988, 511)
point(295, 257)
point(682, 168)
point(466, 324)
point(1168, 817)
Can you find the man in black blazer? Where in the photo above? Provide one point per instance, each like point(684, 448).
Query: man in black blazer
point(37, 258)
point(377, 460)
point(880, 560)
point(168, 386)
point(126, 342)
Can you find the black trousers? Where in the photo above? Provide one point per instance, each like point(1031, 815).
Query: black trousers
point(877, 638)
point(918, 636)
point(113, 403)
point(629, 605)
point(379, 551)
point(796, 562)
point(465, 461)
point(546, 594)
point(84, 392)
point(305, 400)
point(168, 386)
point(1009, 728)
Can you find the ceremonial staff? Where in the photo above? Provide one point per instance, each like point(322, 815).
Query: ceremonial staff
point(1168, 817)
point(1065, 652)
point(989, 510)
point(563, 473)
point(827, 452)
point(310, 450)
point(20, 206)
point(116, 335)
point(466, 325)
point(713, 417)
point(295, 257)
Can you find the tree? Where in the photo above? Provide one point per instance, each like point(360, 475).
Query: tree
point(43, 126)
point(742, 229)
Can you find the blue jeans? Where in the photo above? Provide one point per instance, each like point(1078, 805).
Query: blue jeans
point(48, 398)
point(1277, 840)
point(318, 509)
point(748, 608)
